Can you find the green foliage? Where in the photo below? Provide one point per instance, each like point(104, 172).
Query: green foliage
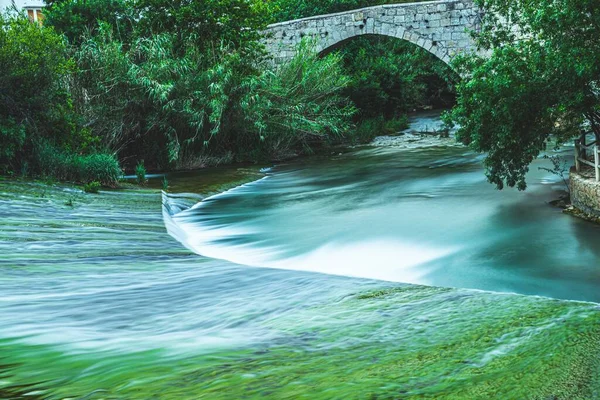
point(108, 96)
point(542, 83)
point(165, 184)
point(194, 103)
point(393, 77)
point(76, 18)
point(389, 76)
point(12, 138)
point(92, 187)
point(103, 168)
point(185, 83)
point(299, 102)
point(394, 126)
point(369, 128)
point(39, 129)
point(34, 99)
point(205, 23)
point(140, 173)
point(147, 90)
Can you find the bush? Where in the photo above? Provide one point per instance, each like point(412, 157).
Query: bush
point(102, 168)
point(140, 173)
point(12, 139)
point(92, 187)
point(299, 103)
point(367, 130)
point(395, 125)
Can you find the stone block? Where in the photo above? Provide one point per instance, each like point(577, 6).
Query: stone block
point(435, 26)
point(585, 193)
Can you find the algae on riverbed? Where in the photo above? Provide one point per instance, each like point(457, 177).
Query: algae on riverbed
point(99, 302)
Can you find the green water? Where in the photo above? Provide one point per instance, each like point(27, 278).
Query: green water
point(98, 301)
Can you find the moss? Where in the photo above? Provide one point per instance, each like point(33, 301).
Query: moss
point(409, 289)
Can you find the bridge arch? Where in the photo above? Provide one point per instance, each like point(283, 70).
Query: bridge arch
point(440, 27)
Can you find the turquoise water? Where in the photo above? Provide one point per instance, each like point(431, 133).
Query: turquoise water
point(422, 216)
point(296, 286)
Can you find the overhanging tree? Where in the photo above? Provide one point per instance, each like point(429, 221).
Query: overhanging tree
point(539, 80)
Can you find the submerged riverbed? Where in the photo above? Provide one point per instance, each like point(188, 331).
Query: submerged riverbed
point(97, 301)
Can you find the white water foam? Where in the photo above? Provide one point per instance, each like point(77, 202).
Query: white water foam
point(380, 258)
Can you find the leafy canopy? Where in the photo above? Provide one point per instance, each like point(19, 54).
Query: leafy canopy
point(236, 23)
point(539, 80)
point(76, 18)
point(34, 102)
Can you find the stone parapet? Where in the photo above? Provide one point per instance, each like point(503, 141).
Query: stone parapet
point(440, 27)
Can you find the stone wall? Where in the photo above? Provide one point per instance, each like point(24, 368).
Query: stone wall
point(585, 194)
point(440, 27)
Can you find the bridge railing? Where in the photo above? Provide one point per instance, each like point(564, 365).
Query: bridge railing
point(587, 154)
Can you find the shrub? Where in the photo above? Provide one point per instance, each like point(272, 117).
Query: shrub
point(367, 130)
point(395, 125)
point(59, 164)
point(92, 187)
point(103, 168)
point(299, 103)
point(140, 173)
point(12, 139)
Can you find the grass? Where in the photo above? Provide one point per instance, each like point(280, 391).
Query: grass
point(140, 173)
point(60, 165)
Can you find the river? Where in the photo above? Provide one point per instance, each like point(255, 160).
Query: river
point(298, 285)
point(414, 215)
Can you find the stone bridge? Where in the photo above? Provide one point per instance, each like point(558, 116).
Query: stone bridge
point(440, 27)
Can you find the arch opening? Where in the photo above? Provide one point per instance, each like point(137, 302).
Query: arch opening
point(393, 77)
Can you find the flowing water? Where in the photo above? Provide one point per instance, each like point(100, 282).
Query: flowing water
point(424, 216)
point(298, 286)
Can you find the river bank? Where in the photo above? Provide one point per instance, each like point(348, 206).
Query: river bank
point(99, 301)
